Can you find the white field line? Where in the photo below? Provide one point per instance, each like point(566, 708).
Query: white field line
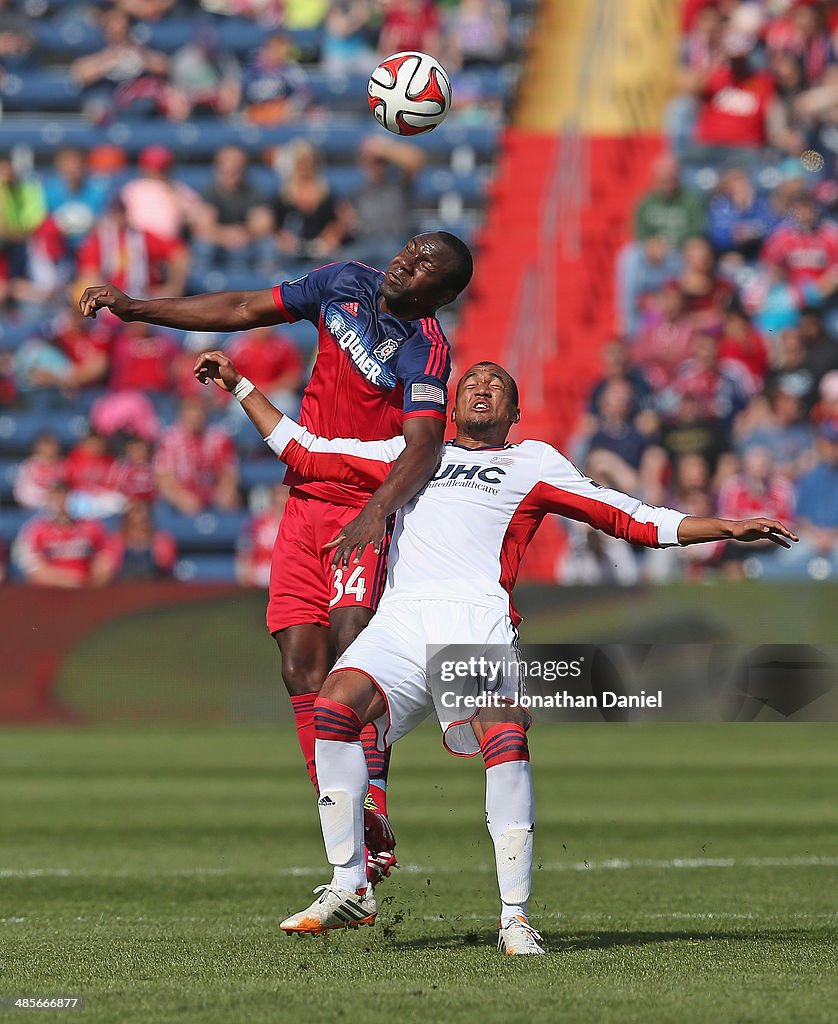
point(613, 864)
point(673, 916)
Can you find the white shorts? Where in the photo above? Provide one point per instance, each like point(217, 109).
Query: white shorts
point(393, 652)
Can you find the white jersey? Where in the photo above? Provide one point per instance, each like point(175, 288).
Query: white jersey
point(463, 536)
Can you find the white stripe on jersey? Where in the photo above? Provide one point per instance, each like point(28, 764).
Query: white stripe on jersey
point(463, 536)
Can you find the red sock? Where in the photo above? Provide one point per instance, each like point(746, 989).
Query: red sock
point(504, 741)
point(303, 706)
point(378, 766)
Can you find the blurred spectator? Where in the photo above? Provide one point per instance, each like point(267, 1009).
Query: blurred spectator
point(665, 340)
point(58, 550)
point(800, 33)
point(617, 448)
point(738, 217)
point(616, 366)
point(141, 358)
point(668, 210)
point(22, 211)
point(758, 489)
point(145, 10)
point(817, 519)
point(826, 407)
point(690, 432)
point(204, 78)
point(706, 295)
point(382, 205)
point(133, 474)
point(821, 350)
point(276, 88)
point(68, 353)
point(271, 360)
point(139, 551)
point(666, 217)
point(155, 202)
point(37, 475)
point(124, 73)
point(310, 221)
point(136, 261)
point(410, 25)
point(786, 123)
point(806, 246)
point(74, 197)
point(722, 389)
point(236, 225)
point(743, 346)
point(777, 423)
point(89, 472)
point(16, 35)
point(196, 464)
point(790, 370)
point(347, 36)
point(255, 550)
point(476, 33)
point(125, 412)
point(734, 99)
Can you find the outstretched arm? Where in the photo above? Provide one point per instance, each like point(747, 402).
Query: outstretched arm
point(217, 311)
point(566, 491)
point(343, 460)
point(695, 530)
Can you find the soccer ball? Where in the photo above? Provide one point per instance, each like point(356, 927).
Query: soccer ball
point(409, 93)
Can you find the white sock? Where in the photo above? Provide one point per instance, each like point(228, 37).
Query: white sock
point(344, 781)
point(510, 810)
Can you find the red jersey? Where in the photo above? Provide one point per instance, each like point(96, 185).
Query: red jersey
point(132, 260)
point(740, 499)
point(194, 461)
point(265, 360)
point(804, 255)
point(734, 110)
point(87, 472)
point(135, 480)
point(141, 362)
point(373, 370)
point(72, 546)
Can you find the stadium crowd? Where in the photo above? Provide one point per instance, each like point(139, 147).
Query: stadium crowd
point(155, 467)
point(720, 393)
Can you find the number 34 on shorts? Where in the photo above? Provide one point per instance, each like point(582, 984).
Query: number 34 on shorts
point(348, 583)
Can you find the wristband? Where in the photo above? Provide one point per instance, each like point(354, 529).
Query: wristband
point(243, 389)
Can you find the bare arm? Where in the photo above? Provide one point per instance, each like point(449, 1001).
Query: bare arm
point(695, 530)
point(216, 311)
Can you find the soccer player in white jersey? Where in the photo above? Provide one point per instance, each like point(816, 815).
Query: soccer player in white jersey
point(454, 557)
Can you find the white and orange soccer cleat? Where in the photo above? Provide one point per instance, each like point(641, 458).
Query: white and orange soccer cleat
point(518, 936)
point(335, 908)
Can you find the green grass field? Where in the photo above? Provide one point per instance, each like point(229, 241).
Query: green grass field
point(685, 873)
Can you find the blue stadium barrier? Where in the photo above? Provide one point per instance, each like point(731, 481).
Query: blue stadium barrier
point(19, 430)
point(259, 473)
point(11, 520)
point(213, 530)
point(206, 569)
point(8, 472)
point(201, 137)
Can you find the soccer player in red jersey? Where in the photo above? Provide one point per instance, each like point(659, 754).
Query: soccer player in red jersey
point(382, 368)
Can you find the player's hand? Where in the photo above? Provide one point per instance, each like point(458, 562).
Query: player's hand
point(368, 527)
point(106, 296)
point(218, 368)
point(763, 529)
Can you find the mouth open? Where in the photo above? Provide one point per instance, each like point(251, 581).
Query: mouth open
point(480, 406)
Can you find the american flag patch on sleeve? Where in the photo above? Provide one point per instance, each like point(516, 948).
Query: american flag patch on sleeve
point(427, 393)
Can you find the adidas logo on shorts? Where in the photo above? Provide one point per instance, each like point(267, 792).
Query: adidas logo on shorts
point(325, 801)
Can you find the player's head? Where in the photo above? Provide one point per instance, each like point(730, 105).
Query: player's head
point(486, 405)
point(429, 272)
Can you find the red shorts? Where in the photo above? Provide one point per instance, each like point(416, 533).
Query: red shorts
point(305, 586)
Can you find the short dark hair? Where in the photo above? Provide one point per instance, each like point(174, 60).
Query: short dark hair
point(462, 263)
point(513, 384)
